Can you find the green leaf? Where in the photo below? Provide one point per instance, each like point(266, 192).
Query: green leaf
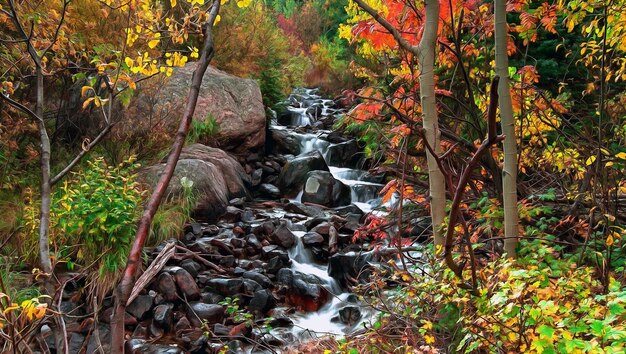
point(545, 331)
point(597, 328)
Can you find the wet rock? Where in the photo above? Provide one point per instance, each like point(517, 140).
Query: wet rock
point(253, 241)
point(261, 279)
point(163, 316)
point(230, 287)
point(194, 228)
point(323, 189)
point(238, 243)
point(278, 322)
point(211, 230)
point(156, 331)
point(311, 223)
point(308, 210)
point(312, 239)
point(247, 216)
point(277, 263)
point(232, 214)
point(191, 266)
point(222, 247)
point(188, 238)
point(345, 154)
point(228, 261)
point(211, 298)
point(270, 191)
point(303, 291)
point(198, 311)
point(167, 287)
point(336, 137)
point(221, 330)
point(261, 302)
point(283, 237)
point(282, 141)
point(237, 202)
point(349, 209)
point(294, 174)
point(346, 266)
point(141, 306)
point(141, 346)
point(350, 315)
point(182, 324)
point(187, 285)
point(100, 339)
point(202, 245)
point(272, 251)
point(323, 228)
point(75, 342)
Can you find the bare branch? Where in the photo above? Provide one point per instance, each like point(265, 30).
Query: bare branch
point(21, 107)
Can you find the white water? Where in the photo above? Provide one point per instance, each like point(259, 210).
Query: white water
point(364, 196)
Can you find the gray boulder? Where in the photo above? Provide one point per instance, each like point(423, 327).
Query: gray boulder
point(217, 178)
point(294, 174)
point(234, 103)
point(322, 188)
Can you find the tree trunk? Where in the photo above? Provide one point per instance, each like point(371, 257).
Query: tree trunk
point(430, 119)
point(125, 287)
point(509, 172)
point(44, 217)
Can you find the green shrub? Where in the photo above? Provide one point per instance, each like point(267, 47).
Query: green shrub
point(202, 131)
point(169, 220)
point(539, 303)
point(97, 210)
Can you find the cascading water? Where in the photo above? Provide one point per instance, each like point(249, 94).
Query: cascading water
point(306, 108)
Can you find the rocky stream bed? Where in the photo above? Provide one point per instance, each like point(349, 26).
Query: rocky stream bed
point(275, 269)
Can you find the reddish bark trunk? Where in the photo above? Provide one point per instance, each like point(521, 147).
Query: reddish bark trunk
point(125, 287)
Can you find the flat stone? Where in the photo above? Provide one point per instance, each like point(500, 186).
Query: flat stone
point(198, 311)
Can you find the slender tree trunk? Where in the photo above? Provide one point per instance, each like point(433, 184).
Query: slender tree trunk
point(124, 289)
point(509, 172)
point(436, 180)
point(44, 218)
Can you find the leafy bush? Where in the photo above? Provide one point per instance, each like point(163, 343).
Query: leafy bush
point(97, 210)
point(539, 303)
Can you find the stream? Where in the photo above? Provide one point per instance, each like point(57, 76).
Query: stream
point(305, 110)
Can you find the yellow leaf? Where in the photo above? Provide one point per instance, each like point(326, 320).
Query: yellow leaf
point(87, 102)
point(621, 156)
point(173, 2)
point(609, 240)
point(84, 90)
point(590, 160)
point(153, 43)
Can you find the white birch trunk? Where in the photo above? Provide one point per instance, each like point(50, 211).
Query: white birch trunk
point(509, 172)
point(436, 180)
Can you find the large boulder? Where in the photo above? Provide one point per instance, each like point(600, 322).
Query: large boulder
point(282, 141)
point(217, 178)
point(304, 291)
point(322, 188)
point(234, 103)
point(294, 173)
point(346, 267)
point(344, 154)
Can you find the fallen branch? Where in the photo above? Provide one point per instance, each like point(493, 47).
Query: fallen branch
point(155, 267)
